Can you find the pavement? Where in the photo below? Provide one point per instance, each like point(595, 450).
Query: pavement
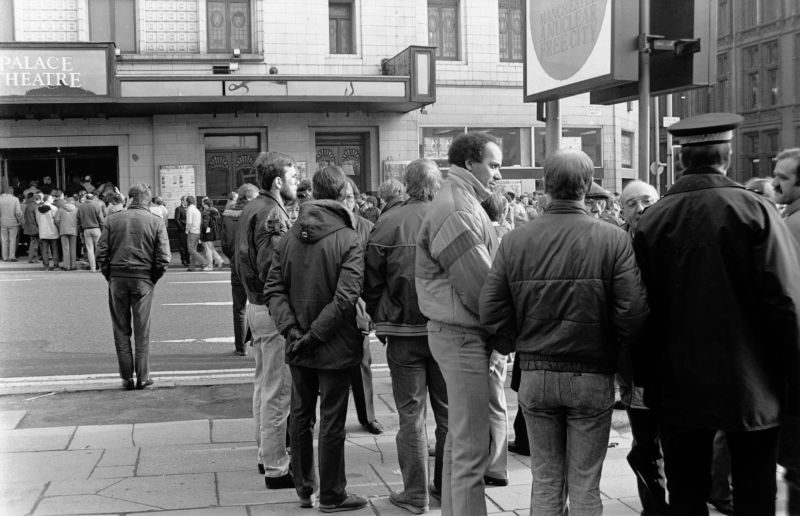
point(207, 466)
point(22, 264)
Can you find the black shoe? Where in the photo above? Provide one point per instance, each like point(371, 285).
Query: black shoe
point(373, 427)
point(351, 503)
point(146, 383)
point(431, 451)
point(618, 405)
point(435, 493)
point(491, 481)
point(127, 384)
point(519, 450)
point(723, 506)
point(260, 468)
point(306, 502)
point(284, 482)
point(240, 352)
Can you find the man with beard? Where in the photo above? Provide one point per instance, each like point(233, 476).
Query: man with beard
point(263, 222)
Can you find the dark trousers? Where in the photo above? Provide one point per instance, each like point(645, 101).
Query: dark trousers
point(361, 379)
point(647, 462)
point(129, 301)
point(521, 431)
point(333, 388)
point(687, 463)
point(183, 247)
point(239, 296)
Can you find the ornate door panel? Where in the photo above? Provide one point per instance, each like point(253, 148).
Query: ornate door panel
point(227, 171)
point(347, 154)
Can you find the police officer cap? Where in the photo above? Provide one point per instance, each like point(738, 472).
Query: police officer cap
point(598, 192)
point(706, 129)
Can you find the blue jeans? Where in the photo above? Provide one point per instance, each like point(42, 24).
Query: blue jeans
point(239, 295)
point(464, 360)
point(129, 301)
point(332, 387)
point(272, 390)
point(569, 419)
point(415, 373)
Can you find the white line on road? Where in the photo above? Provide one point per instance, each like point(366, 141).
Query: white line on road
point(17, 279)
point(197, 282)
point(212, 340)
point(207, 303)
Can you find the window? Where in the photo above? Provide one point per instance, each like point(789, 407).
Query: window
point(587, 139)
point(724, 18)
point(436, 142)
point(797, 64)
point(340, 27)
point(757, 12)
point(751, 157)
point(700, 99)
point(443, 28)
point(722, 90)
point(762, 77)
point(760, 150)
point(228, 26)
point(113, 20)
point(627, 149)
point(511, 30)
point(515, 143)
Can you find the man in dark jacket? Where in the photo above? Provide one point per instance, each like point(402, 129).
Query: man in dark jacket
point(263, 222)
point(230, 221)
point(133, 253)
point(577, 298)
point(722, 275)
point(180, 223)
point(313, 286)
point(391, 300)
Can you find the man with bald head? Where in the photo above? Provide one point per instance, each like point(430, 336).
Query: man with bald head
point(636, 196)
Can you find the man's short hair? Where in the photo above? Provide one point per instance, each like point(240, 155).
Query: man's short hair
point(794, 154)
point(495, 206)
point(208, 202)
point(695, 156)
point(469, 146)
point(190, 199)
point(423, 179)
point(329, 183)
point(267, 170)
point(57, 194)
point(511, 196)
point(391, 189)
point(248, 191)
point(568, 174)
point(623, 197)
point(139, 194)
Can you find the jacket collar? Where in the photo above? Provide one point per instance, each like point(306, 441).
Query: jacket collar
point(465, 179)
point(277, 198)
point(702, 179)
point(561, 206)
point(792, 208)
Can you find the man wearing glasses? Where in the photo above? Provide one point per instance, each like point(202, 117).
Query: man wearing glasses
point(636, 196)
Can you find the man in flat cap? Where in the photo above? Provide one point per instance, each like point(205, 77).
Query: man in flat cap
point(724, 287)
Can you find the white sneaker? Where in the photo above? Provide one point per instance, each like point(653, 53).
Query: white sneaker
point(207, 269)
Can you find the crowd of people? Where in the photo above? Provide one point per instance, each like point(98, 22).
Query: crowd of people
point(689, 303)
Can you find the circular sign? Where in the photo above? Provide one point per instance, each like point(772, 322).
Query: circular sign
point(656, 168)
point(564, 34)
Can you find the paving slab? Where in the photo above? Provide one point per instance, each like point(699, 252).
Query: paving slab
point(247, 488)
point(619, 486)
point(18, 498)
point(9, 419)
point(232, 430)
point(196, 458)
point(85, 504)
point(292, 509)
point(617, 508)
point(511, 497)
point(46, 466)
point(102, 436)
point(113, 472)
point(36, 439)
point(79, 487)
point(166, 491)
point(174, 432)
point(213, 511)
point(119, 457)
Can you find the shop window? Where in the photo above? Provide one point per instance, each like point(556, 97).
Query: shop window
point(228, 26)
point(340, 27)
point(626, 149)
point(443, 28)
point(587, 139)
point(515, 143)
point(113, 20)
point(436, 142)
point(511, 30)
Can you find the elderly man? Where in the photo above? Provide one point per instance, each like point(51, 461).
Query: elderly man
point(10, 220)
point(568, 350)
point(392, 193)
point(133, 253)
point(787, 188)
point(636, 196)
point(263, 222)
point(724, 348)
point(455, 247)
point(316, 277)
point(392, 303)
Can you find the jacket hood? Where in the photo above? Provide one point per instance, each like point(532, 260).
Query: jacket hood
point(69, 207)
point(44, 208)
point(320, 218)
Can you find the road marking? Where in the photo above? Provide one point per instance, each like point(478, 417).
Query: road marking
point(212, 340)
point(208, 303)
point(197, 282)
point(18, 279)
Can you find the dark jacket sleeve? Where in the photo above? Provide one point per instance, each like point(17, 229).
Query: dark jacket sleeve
point(270, 226)
point(348, 289)
point(495, 302)
point(630, 309)
point(374, 276)
point(162, 252)
point(276, 294)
